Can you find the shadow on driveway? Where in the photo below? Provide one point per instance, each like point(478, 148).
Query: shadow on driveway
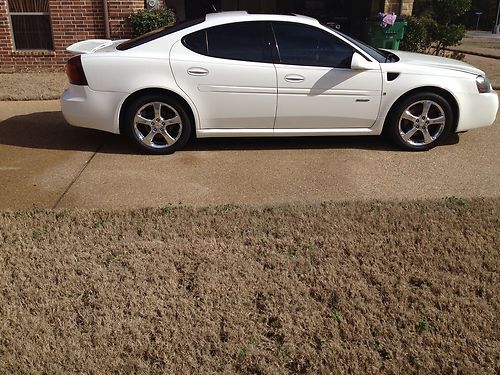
point(49, 130)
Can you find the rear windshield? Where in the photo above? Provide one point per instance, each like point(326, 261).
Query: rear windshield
point(158, 33)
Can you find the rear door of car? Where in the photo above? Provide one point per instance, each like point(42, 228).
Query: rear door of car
point(316, 87)
point(228, 72)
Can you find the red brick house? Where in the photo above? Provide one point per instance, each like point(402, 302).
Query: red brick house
point(35, 33)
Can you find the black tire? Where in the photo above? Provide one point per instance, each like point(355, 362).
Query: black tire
point(419, 133)
point(166, 138)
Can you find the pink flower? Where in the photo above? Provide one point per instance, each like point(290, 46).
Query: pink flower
point(388, 19)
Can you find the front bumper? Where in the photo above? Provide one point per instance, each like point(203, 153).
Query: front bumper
point(87, 108)
point(477, 110)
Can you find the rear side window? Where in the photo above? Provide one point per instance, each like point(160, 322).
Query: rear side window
point(158, 33)
point(197, 42)
point(300, 44)
point(245, 41)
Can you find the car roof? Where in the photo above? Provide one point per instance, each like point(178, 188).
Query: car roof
point(241, 16)
point(210, 20)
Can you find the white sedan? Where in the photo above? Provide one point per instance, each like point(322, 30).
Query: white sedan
point(236, 74)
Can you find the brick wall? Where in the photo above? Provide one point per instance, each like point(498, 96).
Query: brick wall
point(71, 21)
point(118, 13)
point(5, 38)
point(407, 7)
point(400, 7)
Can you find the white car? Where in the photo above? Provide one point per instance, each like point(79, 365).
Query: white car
point(236, 74)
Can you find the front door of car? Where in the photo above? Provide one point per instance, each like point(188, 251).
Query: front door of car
point(316, 87)
point(228, 73)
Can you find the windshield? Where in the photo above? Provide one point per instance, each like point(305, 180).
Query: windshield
point(380, 55)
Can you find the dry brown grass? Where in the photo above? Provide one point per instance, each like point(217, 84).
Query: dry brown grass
point(487, 46)
point(32, 86)
point(490, 66)
point(334, 288)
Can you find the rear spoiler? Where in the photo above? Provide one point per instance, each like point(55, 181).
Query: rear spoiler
point(89, 46)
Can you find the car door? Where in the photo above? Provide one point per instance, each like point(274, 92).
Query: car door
point(228, 72)
point(316, 87)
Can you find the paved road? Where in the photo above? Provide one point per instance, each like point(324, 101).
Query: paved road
point(45, 163)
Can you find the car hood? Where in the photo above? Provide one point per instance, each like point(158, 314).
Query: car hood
point(435, 61)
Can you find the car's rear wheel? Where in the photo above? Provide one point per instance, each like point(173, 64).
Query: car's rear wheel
point(157, 124)
point(420, 122)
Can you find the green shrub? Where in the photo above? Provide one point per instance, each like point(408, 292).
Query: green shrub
point(434, 30)
point(144, 21)
point(417, 38)
point(445, 36)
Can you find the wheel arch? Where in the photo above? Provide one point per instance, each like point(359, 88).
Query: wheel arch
point(159, 91)
point(433, 89)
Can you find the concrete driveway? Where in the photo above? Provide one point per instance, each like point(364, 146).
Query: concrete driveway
point(46, 163)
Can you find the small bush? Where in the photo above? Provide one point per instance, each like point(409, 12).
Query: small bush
point(445, 36)
point(423, 325)
point(434, 30)
point(144, 21)
point(417, 38)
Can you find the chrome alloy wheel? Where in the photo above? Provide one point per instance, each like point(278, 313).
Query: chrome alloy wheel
point(157, 125)
point(422, 123)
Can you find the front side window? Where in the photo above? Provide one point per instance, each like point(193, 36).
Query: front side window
point(300, 44)
point(30, 20)
point(245, 41)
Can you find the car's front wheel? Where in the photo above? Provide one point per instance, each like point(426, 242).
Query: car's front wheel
point(157, 124)
point(420, 122)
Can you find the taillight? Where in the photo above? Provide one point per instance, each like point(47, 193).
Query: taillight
point(74, 71)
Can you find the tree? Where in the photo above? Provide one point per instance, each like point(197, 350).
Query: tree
point(435, 27)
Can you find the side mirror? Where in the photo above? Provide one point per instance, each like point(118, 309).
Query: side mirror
point(360, 63)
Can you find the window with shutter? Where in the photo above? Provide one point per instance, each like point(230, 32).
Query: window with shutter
point(30, 20)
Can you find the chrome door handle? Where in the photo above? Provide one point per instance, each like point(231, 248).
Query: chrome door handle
point(294, 78)
point(197, 71)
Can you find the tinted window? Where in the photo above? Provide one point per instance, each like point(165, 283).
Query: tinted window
point(239, 41)
point(158, 33)
point(306, 45)
point(197, 42)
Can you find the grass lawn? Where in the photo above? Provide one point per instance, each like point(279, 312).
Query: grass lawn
point(367, 287)
point(488, 46)
point(490, 66)
point(32, 86)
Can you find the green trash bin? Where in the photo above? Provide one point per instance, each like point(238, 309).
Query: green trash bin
point(386, 37)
